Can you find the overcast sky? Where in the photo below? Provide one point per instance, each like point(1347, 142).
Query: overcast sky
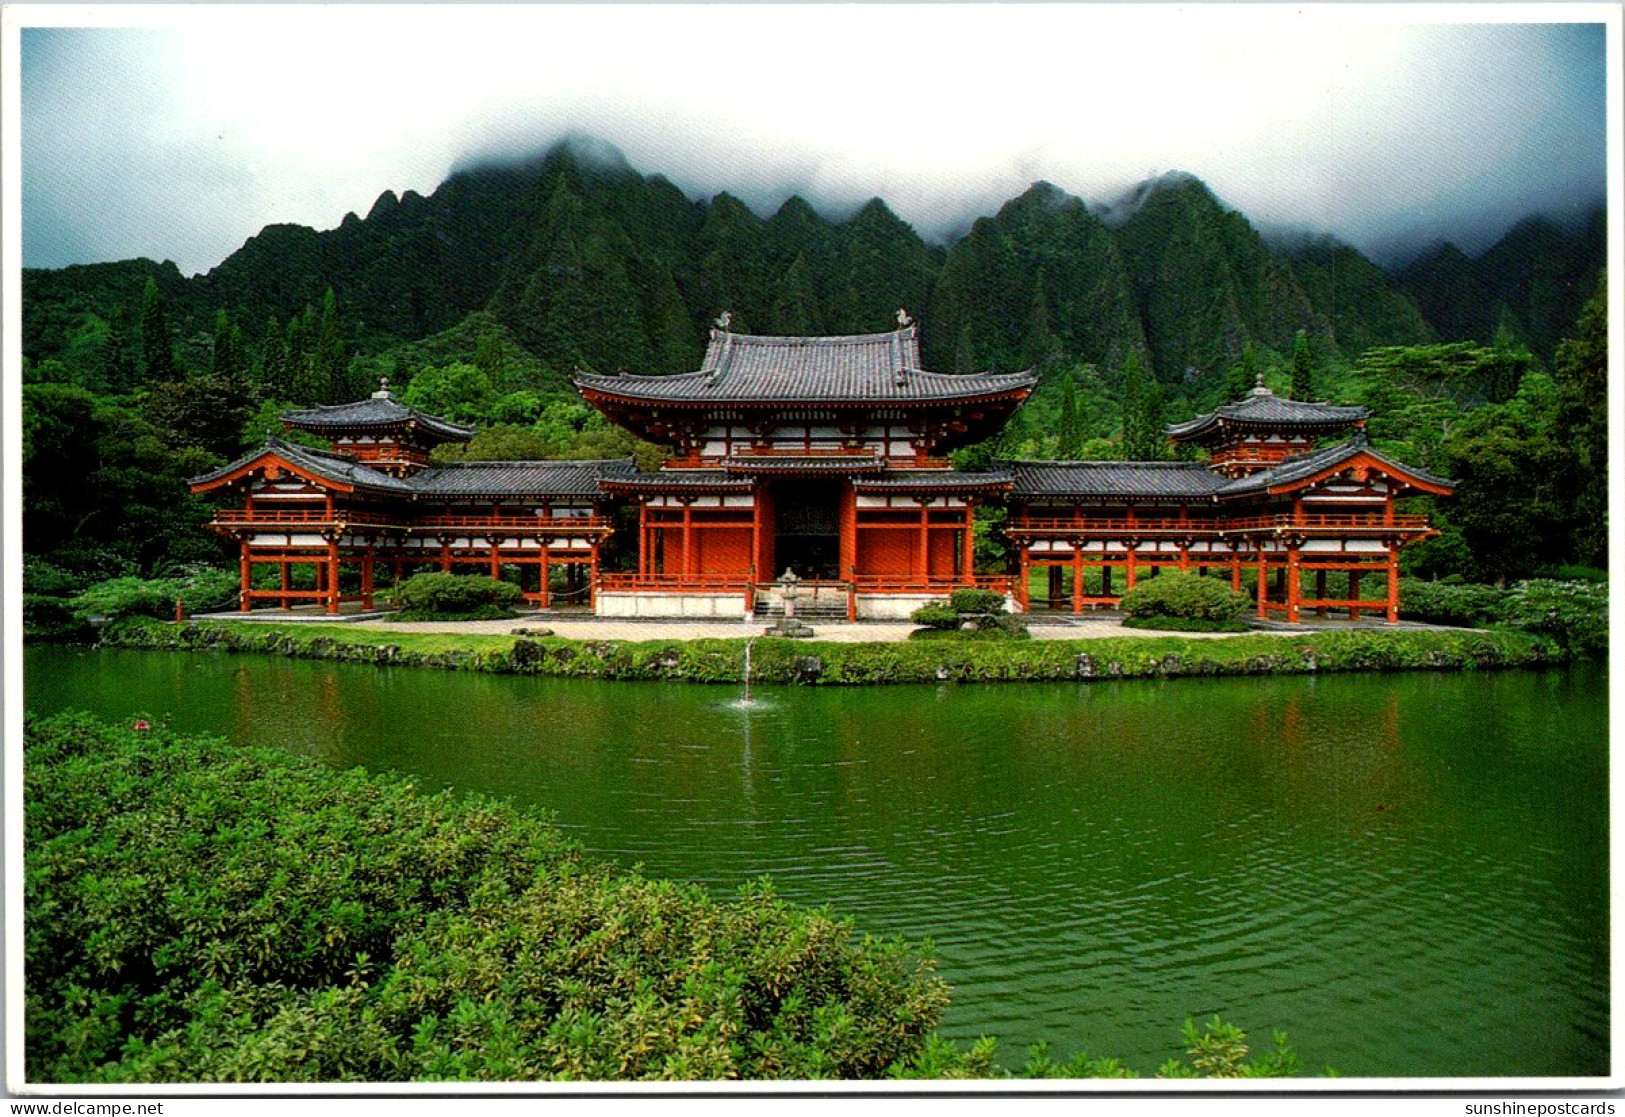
point(180, 142)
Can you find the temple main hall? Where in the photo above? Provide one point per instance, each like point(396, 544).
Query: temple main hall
point(828, 457)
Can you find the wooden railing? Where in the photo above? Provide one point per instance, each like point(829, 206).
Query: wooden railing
point(561, 525)
point(1306, 522)
point(942, 583)
point(511, 522)
point(299, 516)
point(673, 583)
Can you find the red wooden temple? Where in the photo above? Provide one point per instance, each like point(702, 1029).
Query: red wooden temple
point(826, 456)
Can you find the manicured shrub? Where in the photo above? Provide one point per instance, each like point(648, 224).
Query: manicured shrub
point(938, 614)
point(976, 601)
point(1183, 624)
point(1175, 594)
point(456, 594)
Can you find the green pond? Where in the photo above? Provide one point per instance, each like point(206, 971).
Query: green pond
point(1407, 873)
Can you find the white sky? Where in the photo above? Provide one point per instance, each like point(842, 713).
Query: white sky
point(182, 139)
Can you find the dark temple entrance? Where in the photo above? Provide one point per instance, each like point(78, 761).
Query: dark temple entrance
point(807, 529)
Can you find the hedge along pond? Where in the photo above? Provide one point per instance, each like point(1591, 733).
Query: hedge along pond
point(1405, 871)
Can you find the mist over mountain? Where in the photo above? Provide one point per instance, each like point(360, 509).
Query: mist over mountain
point(589, 263)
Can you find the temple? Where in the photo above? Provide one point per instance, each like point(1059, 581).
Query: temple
point(825, 456)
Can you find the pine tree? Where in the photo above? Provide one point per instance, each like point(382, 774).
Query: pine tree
point(157, 350)
point(1038, 344)
point(274, 378)
point(118, 357)
point(965, 351)
point(330, 360)
point(1243, 378)
point(1303, 368)
point(1070, 446)
point(1133, 405)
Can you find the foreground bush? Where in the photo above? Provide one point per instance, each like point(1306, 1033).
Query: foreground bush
point(1176, 594)
point(1463, 604)
point(201, 912)
point(462, 595)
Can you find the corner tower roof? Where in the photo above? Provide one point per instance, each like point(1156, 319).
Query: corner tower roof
point(1262, 409)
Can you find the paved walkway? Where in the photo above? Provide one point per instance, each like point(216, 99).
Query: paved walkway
point(1046, 627)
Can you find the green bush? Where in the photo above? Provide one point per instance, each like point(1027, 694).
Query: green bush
point(201, 912)
point(976, 601)
point(1463, 604)
point(1176, 594)
point(438, 593)
point(1183, 624)
point(200, 588)
point(1575, 614)
point(938, 614)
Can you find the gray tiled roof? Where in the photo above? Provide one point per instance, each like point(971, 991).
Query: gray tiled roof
point(332, 467)
point(746, 368)
point(699, 480)
point(1262, 407)
point(380, 410)
point(805, 463)
point(1299, 466)
point(520, 478)
point(905, 480)
point(1146, 480)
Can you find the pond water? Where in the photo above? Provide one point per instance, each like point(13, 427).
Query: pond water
point(1407, 873)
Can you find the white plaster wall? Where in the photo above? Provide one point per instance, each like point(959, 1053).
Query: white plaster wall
point(724, 606)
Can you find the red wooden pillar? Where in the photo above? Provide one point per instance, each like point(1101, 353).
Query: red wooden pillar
point(1022, 583)
point(445, 554)
point(592, 585)
point(1393, 583)
point(644, 542)
point(1354, 594)
point(1128, 567)
point(1263, 585)
point(1184, 555)
point(1235, 571)
point(244, 603)
point(366, 577)
point(545, 589)
point(689, 564)
point(1077, 576)
point(925, 540)
point(756, 533)
point(496, 565)
point(1294, 579)
point(332, 575)
point(967, 545)
point(849, 541)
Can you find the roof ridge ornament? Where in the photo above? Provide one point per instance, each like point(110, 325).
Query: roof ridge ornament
point(725, 321)
point(1258, 388)
point(903, 320)
point(383, 391)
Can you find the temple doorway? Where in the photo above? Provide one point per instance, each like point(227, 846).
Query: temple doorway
point(807, 529)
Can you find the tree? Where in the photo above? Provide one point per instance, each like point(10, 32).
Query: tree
point(230, 353)
point(330, 362)
point(1303, 368)
point(119, 354)
point(274, 377)
point(1581, 367)
point(1070, 445)
point(1143, 407)
point(157, 348)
